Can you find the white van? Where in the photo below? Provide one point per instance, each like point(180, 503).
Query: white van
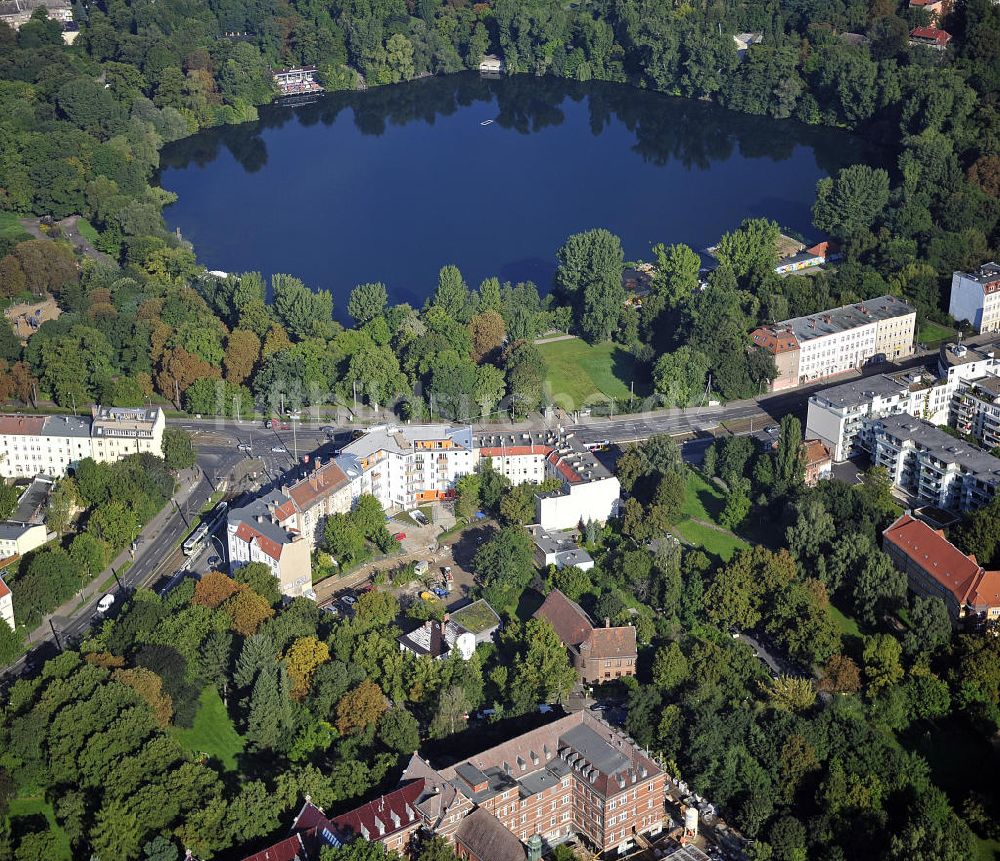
point(105, 603)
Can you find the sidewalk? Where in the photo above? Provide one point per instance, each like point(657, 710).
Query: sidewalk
point(187, 482)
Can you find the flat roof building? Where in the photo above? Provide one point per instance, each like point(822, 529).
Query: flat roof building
point(975, 297)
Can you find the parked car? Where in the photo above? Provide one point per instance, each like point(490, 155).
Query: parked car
point(106, 603)
point(448, 576)
point(441, 593)
point(279, 449)
point(214, 560)
point(244, 447)
point(400, 536)
point(348, 600)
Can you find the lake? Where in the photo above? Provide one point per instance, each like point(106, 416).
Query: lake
point(391, 184)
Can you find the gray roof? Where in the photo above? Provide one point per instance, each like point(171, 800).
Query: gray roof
point(12, 531)
point(601, 755)
point(71, 426)
point(31, 506)
point(943, 446)
point(258, 515)
point(400, 439)
point(986, 273)
point(975, 350)
point(858, 392)
point(845, 318)
point(565, 446)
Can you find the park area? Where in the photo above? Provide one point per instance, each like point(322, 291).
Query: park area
point(212, 733)
point(700, 526)
point(582, 374)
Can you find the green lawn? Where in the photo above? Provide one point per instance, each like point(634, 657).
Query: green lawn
point(719, 543)
point(987, 850)
point(10, 228)
point(579, 373)
point(704, 501)
point(213, 732)
point(931, 332)
point(59, 847)
point(845, 624)
point(87, 230)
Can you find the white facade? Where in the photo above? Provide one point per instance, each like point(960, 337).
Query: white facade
point(51, 445)
point(17, 539)
point(117, 432)
point(932, 466)
point(578, 503)
point(975, 297)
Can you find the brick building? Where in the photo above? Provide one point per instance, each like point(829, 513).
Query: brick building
point(936, 567)
point(575, 777)
point(598, 654)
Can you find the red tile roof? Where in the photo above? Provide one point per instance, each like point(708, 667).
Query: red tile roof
point(367, 816)
point(815, 452)
point(617, 642)
point(774, 342)
point(4, 589)
point(987, 592)
point(931, 34)
point(245, 532)
point(288, 849)
point(936, 555)
point(515, 450)
point(571, 624)
point(319, 483)
point(26, 425)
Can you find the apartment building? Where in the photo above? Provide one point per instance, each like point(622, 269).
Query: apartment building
point(117, 432)
point(937, 568)
point(328, 488)
point(810, 348)
point(841, 415)
point(975, 297)
point(597, 654)
point(51, 445)
point(932, 466)
point(406, 466)
point(589, 491)
point(6, 604)
point(977, 410)
point(17, 539)
point(259, 532)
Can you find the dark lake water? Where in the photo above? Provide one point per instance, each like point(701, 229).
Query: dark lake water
point(391, 184)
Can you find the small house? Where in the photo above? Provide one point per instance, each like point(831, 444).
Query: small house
point(491, 65)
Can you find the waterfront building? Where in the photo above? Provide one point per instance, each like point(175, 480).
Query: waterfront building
point(811, 348)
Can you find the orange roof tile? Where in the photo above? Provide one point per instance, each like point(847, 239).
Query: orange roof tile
point(319, 483)
point(247, 533)
point(774, 342)
point(26, 425)
point(941, 559)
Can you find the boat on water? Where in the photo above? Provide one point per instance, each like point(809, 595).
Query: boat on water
point(486, 123)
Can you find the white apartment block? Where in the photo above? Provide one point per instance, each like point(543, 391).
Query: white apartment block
point(406, 466)
point(811, 348)
point(975, 297)
point(51, 445)
point(589, 491)
point(839, 415)
point(17, 539)
point(117, 432)
point(932, 466)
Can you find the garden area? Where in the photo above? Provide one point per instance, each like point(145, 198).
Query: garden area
point(931, 333)
point(212, 733)
point(579, 373)
point(700, 527)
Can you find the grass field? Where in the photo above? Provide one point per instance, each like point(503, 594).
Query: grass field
point(213, 732)
point(58, 845)
point(10, 229)
point(720, 543)
point(579, 373)
point(87, 230)
point(845, 624)
point(704, 501)
point(931, 332)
